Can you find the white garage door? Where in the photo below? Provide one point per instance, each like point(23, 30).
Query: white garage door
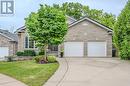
point(4, 51)
point(97, 49)
point(73, 49)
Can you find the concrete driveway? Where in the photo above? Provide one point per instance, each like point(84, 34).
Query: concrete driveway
point(91, 72)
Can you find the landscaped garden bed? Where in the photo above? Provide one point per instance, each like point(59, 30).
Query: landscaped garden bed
point(29, 72)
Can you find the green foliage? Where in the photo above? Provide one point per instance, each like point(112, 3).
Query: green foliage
point(41, 53)
point(26, 53)
point(122, 33)
point(39, 58)
point(77, 10)
point(20, 53)
point(72, 9)
point(108, 20)
point(125, 50)
point(51, 59)
point(29, 53)
point(47, 26)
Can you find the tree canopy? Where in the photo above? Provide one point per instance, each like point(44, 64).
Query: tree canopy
point(78, 10)
point(122, 32)
point(47, 26)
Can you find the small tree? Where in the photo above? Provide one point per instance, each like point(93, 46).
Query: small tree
point(122, 33)
point(47, 26)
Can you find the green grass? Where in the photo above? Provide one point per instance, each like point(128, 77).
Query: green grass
point(29, 72)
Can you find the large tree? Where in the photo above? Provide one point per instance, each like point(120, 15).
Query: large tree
point(47, 26)
point(122, 33)
point(77, 10)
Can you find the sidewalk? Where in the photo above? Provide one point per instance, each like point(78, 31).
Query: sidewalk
point(59, 75)
point(8, 81)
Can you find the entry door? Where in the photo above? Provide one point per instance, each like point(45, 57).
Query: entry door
point(4, 51)
point(73, 49)
point(97, 49)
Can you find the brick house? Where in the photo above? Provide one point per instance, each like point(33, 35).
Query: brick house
point(85, 38)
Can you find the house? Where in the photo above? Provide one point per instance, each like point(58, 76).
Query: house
point(85, 38)
point(8, 43)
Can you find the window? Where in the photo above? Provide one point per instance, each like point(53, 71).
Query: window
point(26, 42)
point(53, 47)
point(29, 43)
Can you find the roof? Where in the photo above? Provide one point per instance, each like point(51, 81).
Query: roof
point(71, 18)
point(7, 34)
point(91, 20)
point(20, 29)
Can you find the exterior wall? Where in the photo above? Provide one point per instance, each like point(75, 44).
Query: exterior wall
point(21, 42)
point(86, 31)
point(5, 42)
point(21, 38)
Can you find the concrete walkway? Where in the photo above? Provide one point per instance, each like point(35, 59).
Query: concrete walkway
point(8, 81)
point(59, 74)
point(91, 72)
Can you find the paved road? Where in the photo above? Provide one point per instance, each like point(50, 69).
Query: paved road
point(91, 72)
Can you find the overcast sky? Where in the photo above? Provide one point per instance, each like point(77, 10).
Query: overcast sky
point(24, 7)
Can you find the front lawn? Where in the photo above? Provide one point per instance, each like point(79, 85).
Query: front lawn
point(29, 72)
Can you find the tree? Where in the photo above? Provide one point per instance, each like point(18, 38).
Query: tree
point(108, 20)
point(77, 11)
point(95, 14)
point(72, 9)
point(47, 26)
point(122, 33)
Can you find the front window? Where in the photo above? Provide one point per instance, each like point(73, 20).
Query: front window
point(53, 47)
point(29, 43)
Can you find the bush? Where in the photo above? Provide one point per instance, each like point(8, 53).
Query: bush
point(20, 53)
point(51, 59)
point(29, 53)
point(40, 59)
point(125, 50)
point(41, 53)
point(26, 53)
point(10, 58)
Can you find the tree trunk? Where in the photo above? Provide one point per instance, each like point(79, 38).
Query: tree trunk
point(45, 51)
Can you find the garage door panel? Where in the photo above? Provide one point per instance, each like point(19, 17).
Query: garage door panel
point(73, 49)
point(4, 51)
point(96, 49)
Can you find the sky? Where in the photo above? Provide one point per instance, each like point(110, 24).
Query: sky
point(24, 7)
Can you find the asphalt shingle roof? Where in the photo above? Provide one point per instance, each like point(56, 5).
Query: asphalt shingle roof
point(10, 35)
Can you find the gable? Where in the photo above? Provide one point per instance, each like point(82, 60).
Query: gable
point(86, 30)
point(92, 21)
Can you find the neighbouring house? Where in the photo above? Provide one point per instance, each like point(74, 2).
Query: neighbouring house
point(85, 38)
point(8, 43)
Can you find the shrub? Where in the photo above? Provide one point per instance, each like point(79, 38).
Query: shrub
point(40, 59)
point(41, 53)
point(29, 53)
point(20, 53)
point(51, 59)
point(125, 50)
point(26, 53)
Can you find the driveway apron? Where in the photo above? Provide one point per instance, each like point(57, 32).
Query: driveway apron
point(92, 72)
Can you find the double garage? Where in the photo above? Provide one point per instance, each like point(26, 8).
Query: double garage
point(81, 49)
